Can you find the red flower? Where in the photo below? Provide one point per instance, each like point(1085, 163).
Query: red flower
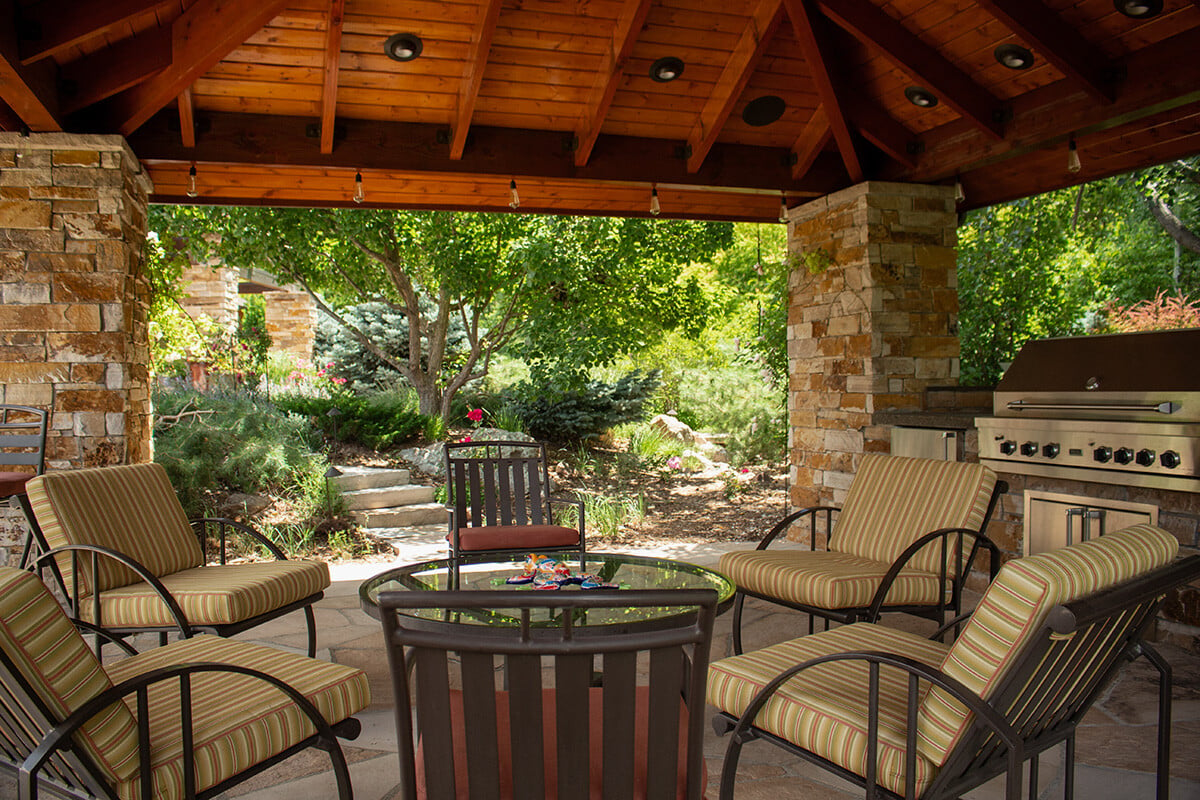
point(475, 414)
point(465, 439)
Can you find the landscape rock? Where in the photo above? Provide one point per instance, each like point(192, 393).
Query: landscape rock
point(244, 505)
point(675, 428)
point(431, 459)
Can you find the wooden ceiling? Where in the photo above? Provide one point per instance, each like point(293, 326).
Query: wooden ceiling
point(284, 102)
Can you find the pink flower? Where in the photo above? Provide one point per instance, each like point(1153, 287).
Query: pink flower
point(475, 414)
point(745, 470)
point(674, 462)
point(329, 365)
point(465, 439)
point(338, 381)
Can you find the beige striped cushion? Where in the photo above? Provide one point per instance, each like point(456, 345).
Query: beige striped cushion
point(1014, 608)
point(893, 501)
point(45, 648)
point(239, 721)
point(824, 708)
point(213, 595)
point(824, 580)
point(131, 509)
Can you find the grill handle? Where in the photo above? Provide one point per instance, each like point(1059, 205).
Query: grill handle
point(1159, 408)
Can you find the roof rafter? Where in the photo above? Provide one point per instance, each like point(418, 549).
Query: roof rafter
point(1060, 43)
point(187, 119)
point(106, 72)
point(31, 92)
point(746, 53)
point(877, 127)
point(910, 54)
point(811, 142)
point(57, 25)
point(468, 89)
point(333, 55)
point(806, 27)
point(608, 77)
point(201, 37)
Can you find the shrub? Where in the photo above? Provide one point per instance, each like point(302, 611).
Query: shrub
point(378, 420)
point(567, 415)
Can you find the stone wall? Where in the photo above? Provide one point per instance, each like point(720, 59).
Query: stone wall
point(211, 290)
point(292, 324)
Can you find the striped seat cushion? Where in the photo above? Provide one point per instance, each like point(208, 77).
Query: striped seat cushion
point(824, 579)
point(131, 509)
point(824, 708)
point(1013, 610)
point(239, 721)
point(212, 595)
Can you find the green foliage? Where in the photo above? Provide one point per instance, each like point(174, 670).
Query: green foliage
point(378, 420)
point(560, 413)
point(652, 446)
point(1161, 313)
point(253, 341)
point(606, 514)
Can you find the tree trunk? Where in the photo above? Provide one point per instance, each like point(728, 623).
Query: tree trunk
point(1172, 224)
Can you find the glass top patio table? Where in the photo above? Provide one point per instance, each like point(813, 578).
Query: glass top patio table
point(625, 571)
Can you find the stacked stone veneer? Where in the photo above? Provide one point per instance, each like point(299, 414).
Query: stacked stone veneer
point(292, 324)
point(212, 291)
point(73, 297)
point(872, 323)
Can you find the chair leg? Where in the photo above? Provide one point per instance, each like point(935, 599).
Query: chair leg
point(1068, 768)
point(1033, 776)
point(729, 769)
point(739, 600)
point(311, 619)
point(1163, 776)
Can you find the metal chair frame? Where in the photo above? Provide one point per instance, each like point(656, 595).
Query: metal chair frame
point(23, 444)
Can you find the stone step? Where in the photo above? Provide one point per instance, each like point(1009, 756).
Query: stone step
point(388, 497)
point(354, 479)
point(401, 516)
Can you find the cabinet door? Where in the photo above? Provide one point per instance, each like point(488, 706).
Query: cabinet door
point(1057, 520)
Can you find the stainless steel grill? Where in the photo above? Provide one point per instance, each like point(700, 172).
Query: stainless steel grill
point(1121, 409)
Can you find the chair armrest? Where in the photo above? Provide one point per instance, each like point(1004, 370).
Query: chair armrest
point(786, 522)
point(577, 504)
point(200, 526)
point(942, 534)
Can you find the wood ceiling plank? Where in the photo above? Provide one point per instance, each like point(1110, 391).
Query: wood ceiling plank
point(329, 87)
point(608, 77)
point(914, 57)
point(817, 133)
point(750, 47)
point(1060, 43)
point(104, 73)
point(31, 92)
point(55, 26)
point(187, 119)
point(472, 76)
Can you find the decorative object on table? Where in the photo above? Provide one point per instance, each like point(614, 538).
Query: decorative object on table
point(547, 574)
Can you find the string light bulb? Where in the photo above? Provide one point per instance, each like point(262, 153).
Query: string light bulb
point(191, 190)
point(959, 194)
point(783, 209)
point(1073, 164)
point(514, 198)
point(655, 208)
point(358, 188)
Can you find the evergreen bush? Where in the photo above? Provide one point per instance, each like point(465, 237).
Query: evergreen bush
point(566, 415)
point(378, 420)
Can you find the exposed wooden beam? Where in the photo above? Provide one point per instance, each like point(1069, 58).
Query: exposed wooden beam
point(875, 28)
point(746, 53)
point(106, 72)
point(1060, 43)
point(31, 92)
point(187, 119)
point(9, 121)
point(333, 57)
point(811, 142)
point(880, 129)
point(608, 77)
point(201, 37)
point(472, 77)
point(50, 27)
point(814, 43)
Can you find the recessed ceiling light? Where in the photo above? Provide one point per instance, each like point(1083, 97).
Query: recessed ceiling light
point(403, 46)
point(666, 69)
point(763, 110)
point(1014, 56)
point(1138, 9)
point(921, 97)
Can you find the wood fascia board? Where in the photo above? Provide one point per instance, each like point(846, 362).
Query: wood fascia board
point(333, 56)
point(811, 142)
point(187, 119)
point(734, 77)
point(1060, 43)
point(107, 72)
point(816, 54)
point(66, 23)
point(201, 37)
point(30, 91)
point(472, 77)
point(908, 53)
point(608, 77)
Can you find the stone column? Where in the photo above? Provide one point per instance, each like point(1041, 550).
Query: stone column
point(212, 290)
point(872, 322)
point(73, 296)
point(292, 324)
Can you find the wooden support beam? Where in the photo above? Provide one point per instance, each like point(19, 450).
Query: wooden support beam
point(50, 27)
point(924, 64)
point(1059, 43)
point(472, 77)
point(9, 121)
point(106, 72)
point(814, 43)
point(201, 37)
point(187, 119)
point(608, 77)
point(333, 58)
point(811, 142)
point(30, 91)
point(880, 129)
point(728, 90)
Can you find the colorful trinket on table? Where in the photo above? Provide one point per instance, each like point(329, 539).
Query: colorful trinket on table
point(546, 574)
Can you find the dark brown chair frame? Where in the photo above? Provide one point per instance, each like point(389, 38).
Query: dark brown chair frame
point(820, 526)
point(490, 488)
point(1080, 648)
point(679, 667)
point(23, 444)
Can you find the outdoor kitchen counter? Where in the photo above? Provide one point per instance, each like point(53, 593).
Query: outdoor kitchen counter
point(961, 419)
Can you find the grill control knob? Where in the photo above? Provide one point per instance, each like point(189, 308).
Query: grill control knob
point(1123, 455)
point(1170, 459)
point(1050, 450)
point(1102, 454)
point(1029, 449)
point(1008, 447)
point(1145, 458)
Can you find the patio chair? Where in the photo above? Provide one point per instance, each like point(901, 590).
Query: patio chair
point(498, 499)
point(909, 717)
point(904, 540)
point(552, 732)
point(188, 720)
point(130, 562)
point(22, 445)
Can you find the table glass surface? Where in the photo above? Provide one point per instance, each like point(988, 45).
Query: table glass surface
point(626, 571)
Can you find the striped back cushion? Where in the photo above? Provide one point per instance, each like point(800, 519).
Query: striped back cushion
point(131, 509)
point(893, 501)
point(54, 660)
point(1013, 610)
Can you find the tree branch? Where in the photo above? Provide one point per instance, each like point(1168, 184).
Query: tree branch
point(1171, 223)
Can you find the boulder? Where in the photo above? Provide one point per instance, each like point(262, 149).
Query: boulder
point(243, 505)
point(431, 459)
